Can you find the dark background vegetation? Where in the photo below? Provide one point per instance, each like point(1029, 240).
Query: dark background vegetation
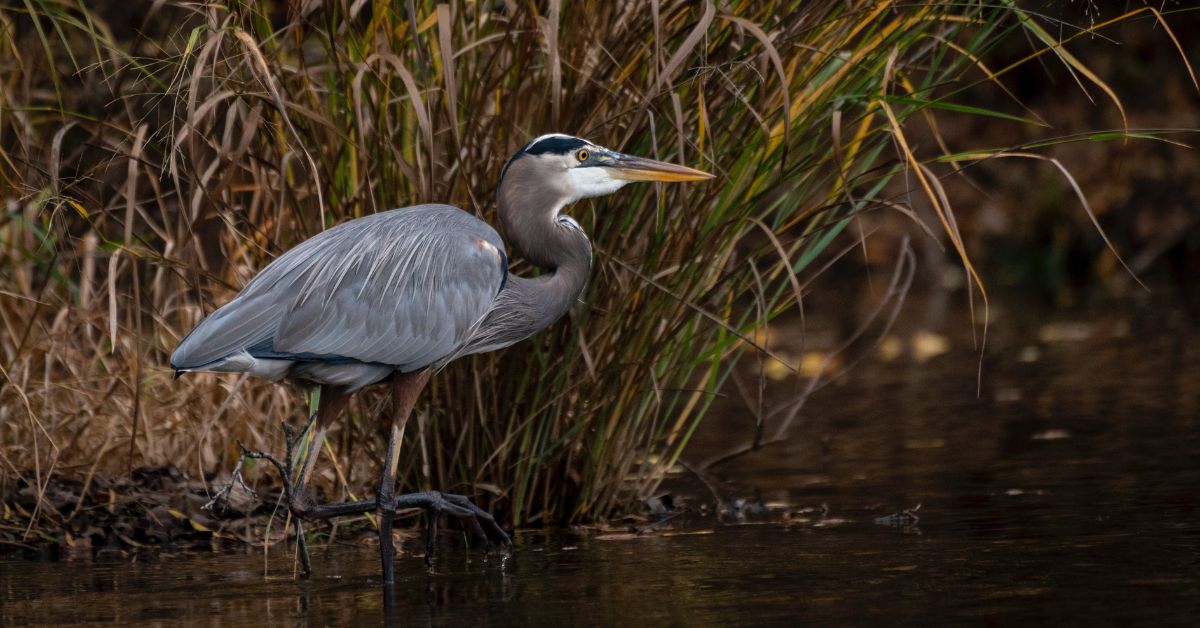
point(1027, 231)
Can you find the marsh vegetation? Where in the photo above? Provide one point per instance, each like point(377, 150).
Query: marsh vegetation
point(152, 161)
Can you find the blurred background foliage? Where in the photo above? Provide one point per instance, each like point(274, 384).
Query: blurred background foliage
point(154, 156)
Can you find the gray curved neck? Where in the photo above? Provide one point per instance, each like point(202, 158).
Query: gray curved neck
point(554, 243)
point(545, 298)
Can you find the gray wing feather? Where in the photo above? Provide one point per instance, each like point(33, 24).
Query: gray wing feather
point(402, 288)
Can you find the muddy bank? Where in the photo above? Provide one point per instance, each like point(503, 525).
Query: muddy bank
point(152, 509)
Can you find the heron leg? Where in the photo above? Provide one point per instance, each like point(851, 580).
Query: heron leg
point(300, 503)
point(333, 401)
point(406, 388)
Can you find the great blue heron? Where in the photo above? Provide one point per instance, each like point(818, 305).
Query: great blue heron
point(398, 294)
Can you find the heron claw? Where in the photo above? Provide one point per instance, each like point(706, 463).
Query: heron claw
point(460, 507)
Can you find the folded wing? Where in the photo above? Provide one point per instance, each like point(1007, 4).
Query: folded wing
point(403, 288)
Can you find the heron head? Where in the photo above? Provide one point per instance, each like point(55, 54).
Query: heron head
point(574, 168)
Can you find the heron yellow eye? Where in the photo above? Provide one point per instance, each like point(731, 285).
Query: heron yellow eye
point(582, 155)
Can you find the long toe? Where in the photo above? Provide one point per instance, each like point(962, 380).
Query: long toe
point(484, 523)
point(463, 514)
point(459, 507)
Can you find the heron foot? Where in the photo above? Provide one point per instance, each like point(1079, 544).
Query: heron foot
point(302, 507)
point(460, 507)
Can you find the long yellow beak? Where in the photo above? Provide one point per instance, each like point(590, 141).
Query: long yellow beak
point(632, 168)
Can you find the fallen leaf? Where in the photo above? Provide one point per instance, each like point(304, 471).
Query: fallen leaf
point(1008, 394)
point(890, 348)
point(813, 363)
point(1065, 331)
point(928, 345)
point(776, 370)
point(1052, 434)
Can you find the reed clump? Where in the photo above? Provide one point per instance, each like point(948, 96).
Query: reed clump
point(152, 163)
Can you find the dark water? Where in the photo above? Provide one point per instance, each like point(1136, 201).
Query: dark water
point(1067, 492)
